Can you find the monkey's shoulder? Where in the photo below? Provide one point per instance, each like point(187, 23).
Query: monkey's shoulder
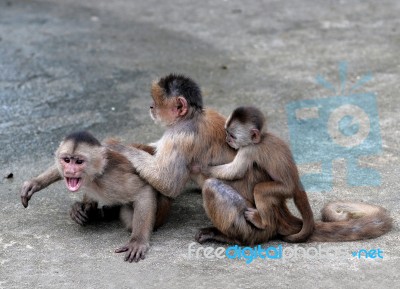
point(211, 125)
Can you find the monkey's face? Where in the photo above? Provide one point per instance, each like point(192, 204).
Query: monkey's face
point(231, 139)
point(166, 111)
point(240, 135)
point(73, 168)
point(80, 164)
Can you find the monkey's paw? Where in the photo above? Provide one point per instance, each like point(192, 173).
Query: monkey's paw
point(204, 235)
point(135, 251)
point(115, 146)
point(254, 218)
point(195, 168)
point(83, 213)
point(28, 189)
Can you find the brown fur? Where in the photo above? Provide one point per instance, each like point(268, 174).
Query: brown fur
point(265, 175)
point(274, 176)
point(351, 221)
point(258, 182)
point(195, 135)
point(192, 135)
point(107, 177)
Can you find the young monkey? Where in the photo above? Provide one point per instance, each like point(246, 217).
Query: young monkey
point(263, 174)
point(195, 135)
point(275, 176)
point(107, 176)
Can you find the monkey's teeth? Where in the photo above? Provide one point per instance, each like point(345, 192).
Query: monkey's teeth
point(73, 184)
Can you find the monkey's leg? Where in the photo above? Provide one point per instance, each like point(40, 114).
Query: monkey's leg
point(272, 210)
point(263, 216)
point(211, 234)
point(272, 189)
point(163, 208)
point(225, 207)
point(45, 179)
point(270, 200)
point(143, 218)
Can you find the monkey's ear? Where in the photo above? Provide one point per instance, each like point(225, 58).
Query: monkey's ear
point(182, 105)
point(255, 136)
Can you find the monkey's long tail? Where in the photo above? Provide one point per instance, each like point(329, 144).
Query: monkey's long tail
point(303, 205)
point(350, 221)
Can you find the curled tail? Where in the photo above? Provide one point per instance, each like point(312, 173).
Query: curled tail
point(350, 221)
point(303, 205)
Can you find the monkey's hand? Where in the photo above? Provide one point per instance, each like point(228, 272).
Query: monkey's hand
point(254, 218)
point(204, 235)
point(135, 250)
point(196, 168)
point(28, 189)
point(82, 213)
point(132, 153)
point(115, 146)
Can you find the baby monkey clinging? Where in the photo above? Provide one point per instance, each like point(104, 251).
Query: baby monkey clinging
point(275, 176)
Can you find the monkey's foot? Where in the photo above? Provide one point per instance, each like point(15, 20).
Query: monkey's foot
point(83, 213)
point(211, 234)
point(253, 216)
point(204, 235)
point(135, 251)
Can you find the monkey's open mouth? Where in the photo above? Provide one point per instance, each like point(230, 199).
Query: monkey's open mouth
point(73, 184)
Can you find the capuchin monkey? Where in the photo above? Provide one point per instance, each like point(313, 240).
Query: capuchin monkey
point(195, 136)
point(263, 162)
point(107, 177)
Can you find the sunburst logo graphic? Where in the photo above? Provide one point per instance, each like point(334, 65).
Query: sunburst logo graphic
point(343, 125)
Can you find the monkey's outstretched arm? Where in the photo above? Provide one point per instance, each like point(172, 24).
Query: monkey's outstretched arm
point(45, 179)
point(167, 172)
point(232, 171)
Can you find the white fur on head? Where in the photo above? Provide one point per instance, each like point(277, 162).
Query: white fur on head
point(242, 133)
point(94, 156)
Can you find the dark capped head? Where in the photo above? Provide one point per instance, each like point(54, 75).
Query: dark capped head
point(79, 137)
point(174, 85)
point(249, 115)
point(244, 127)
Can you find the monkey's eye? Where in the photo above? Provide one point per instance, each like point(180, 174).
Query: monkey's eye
point(79, 162)
point(230, 135)
point(67, 160)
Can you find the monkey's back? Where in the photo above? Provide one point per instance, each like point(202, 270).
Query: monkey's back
point(210, 139)
point(119, 183)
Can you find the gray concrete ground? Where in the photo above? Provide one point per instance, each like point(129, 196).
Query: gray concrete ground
point(68, 65)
